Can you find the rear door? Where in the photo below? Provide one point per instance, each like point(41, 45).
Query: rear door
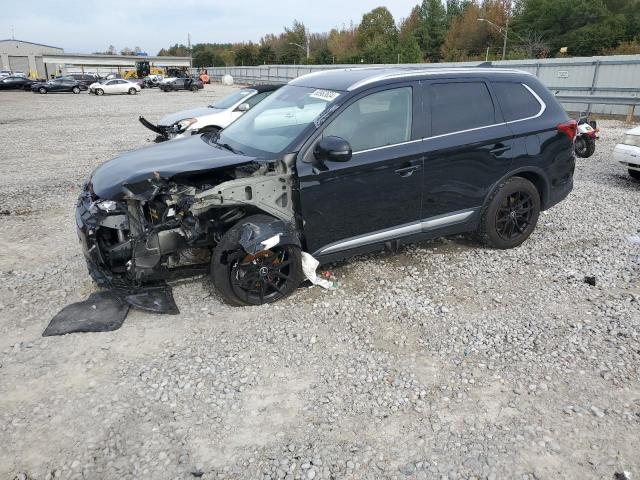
point(375, 196)
point(468, 147)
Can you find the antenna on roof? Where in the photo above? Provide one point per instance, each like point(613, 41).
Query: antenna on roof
point(485, 64)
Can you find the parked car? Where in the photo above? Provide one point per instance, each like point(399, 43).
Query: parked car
point(335, 163)
point(193, 84)
point(85, 79)
point(153, 80)
point(117, 85)
point(59, 84)
point(5, 73)
point(628, 152)
point(20, 74)
point(12, 83)
point(213, 118)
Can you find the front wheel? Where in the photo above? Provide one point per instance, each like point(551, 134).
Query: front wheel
point(510, 215)
point(584, 147)
point(42, 90)
point(75, 90)
point(194, 88)
point(635, 174)
point(244, 279)
point(99, 91)
point(132, 91)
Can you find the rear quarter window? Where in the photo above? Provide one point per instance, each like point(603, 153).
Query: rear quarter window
point(516, 101)
point(458, 106)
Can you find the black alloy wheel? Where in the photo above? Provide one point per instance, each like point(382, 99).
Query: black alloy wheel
point(264, 277)
point(510, 214)
point(514, 215)
point(254, 279)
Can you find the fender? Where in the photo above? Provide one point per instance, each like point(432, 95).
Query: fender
point(257, 237)
point(541, 183)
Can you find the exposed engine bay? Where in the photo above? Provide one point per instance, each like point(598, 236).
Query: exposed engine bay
point(162, 228)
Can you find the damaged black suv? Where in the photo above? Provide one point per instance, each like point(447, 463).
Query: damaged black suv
point(335, 163)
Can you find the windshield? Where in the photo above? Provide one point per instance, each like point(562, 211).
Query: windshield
point(231, 100)
point(272, 125)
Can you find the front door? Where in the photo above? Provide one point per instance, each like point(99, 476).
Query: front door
point(376, 195)
point(468, 148)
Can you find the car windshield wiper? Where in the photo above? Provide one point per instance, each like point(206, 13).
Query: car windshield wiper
point(226, 146)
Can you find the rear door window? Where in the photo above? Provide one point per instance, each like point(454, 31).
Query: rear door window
point(458, 106)
point(516, 101)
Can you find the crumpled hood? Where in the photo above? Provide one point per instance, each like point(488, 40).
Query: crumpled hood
point(194, 112)
point(188, 155)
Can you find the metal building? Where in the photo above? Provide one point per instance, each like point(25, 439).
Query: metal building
point(27, 57)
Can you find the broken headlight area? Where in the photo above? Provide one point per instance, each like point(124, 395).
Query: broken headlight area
point(163, 229)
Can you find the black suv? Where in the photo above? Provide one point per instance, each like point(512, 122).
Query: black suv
point(193, 84)
point(335, 163)
point(85, 79)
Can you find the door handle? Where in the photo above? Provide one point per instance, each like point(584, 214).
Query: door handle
point(407, 171)
point(499, 148)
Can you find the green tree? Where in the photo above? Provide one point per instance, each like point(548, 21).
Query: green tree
point(377, 37)
point(266, 55)
point(247, 55)
point(431, 29)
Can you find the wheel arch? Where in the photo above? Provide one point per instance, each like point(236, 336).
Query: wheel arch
point(535, 175)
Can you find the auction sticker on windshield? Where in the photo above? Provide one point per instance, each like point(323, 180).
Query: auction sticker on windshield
point(327, 95)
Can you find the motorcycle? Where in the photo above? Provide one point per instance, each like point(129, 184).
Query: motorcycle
point(585, 142)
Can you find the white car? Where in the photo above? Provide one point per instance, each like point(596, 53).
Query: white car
point(628, 152)
point(213, 118)
point(115, 85)
point(5, 73)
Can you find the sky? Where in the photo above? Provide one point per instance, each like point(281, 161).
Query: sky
point(81, 26)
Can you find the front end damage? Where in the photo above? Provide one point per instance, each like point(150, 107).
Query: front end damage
point(164, 228)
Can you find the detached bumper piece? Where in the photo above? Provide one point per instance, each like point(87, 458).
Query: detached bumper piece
point(106, 310)
point(101, 312)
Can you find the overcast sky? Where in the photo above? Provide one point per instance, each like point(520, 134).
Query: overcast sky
point(88, 26)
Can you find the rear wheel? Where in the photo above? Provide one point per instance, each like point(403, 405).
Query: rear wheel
point(99, 91)
point(194, 88)
point(42, 90)
point(75, 90)
point(635, 174)
point(244, 279)
point(511, 214)
point(132, 91)
point(584, 147)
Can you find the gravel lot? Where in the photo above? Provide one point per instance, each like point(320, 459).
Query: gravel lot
point(443, 361)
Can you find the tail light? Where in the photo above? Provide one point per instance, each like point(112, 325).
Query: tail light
point(569, 128)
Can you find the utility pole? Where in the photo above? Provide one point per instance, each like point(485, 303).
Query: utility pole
point(13, 36)
point(190, 55)
point(504, 45)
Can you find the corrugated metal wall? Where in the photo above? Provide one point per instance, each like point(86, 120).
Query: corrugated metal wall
point(606, 76)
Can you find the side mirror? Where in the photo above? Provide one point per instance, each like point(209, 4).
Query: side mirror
point(332, 149)
point(243, 107)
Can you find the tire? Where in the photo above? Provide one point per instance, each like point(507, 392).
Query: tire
point(211, 129)
point(42, 90)
point(99, 91)
point(282, 276)
point(75, 90)
point(505, 225)
point(132, 91)
point(635, 174)
point(194, 89)
point(584, 147)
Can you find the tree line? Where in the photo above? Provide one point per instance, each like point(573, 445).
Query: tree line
point(456, 30)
